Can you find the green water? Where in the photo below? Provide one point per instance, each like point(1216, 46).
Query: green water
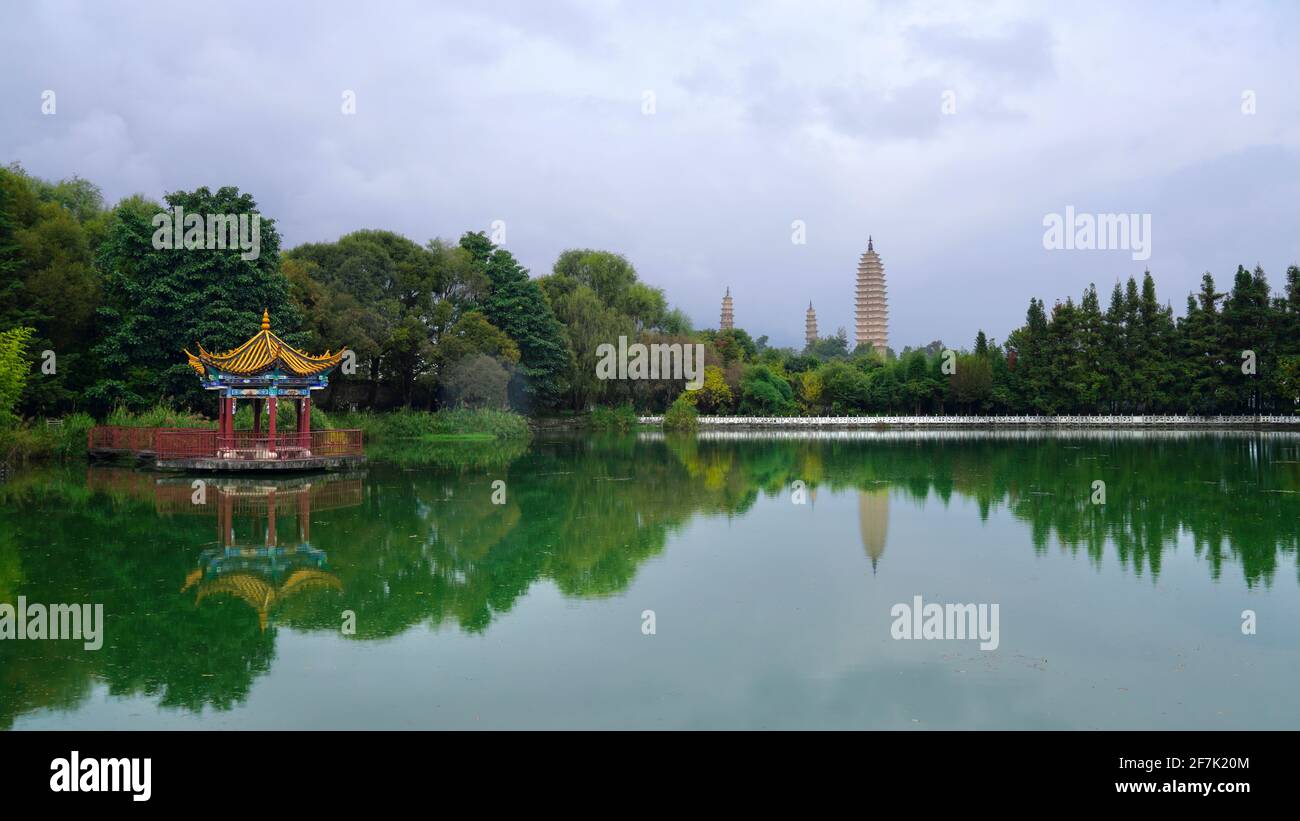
point(767, 613)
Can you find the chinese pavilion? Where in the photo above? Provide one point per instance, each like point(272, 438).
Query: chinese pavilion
point(264, 370)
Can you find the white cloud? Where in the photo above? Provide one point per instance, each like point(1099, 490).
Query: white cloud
point(766, 113)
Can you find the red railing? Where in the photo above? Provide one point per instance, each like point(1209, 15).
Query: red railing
point(119, 438)
point(247, 445)
point(194, 443)
point(337, 442)
point(186, 443)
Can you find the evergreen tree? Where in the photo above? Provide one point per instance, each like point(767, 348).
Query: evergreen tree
point(515, 304)
point(159, 301)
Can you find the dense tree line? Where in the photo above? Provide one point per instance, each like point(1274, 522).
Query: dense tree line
point(1232, 352)
point(449, 323)
point(438, 324)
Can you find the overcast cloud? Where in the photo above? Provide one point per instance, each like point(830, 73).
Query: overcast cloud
point(765, 113)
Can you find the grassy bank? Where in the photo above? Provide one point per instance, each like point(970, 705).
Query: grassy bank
point(458, 425)
point(34, 441)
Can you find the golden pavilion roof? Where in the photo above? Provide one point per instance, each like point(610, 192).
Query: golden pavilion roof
point(259, 594)
point(262, 353)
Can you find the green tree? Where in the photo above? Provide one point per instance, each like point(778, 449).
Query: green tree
point(830, 347)
point(391, 301)
point(159, 301)
point(476, 381)
point(972, 382)
point(588, 324)
point(13, 370)
point(765, 393)
point(515, 304)
point(614, 282)
point(733, 345)
point(48, 280)
point(714, 395)
point(1247, 327)
point(844, 387)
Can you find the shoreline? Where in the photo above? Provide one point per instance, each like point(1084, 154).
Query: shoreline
point(1155, 422)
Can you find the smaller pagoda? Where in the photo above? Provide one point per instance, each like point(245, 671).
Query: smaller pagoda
point(728, 319)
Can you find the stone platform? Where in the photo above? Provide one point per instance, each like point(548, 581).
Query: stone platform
point(211, 463)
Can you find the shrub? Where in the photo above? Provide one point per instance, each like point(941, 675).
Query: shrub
point(622, 418)
point(765, 393)
point(158, 416)
point(476, 381)
point(681, 416)
point(413, 424)
point(13, 370)
point(286, 417)
point(714, 396)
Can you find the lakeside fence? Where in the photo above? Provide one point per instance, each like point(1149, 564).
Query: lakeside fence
point(189, 443)
point(994, 422)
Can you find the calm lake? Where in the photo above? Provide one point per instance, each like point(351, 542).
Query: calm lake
point(418, 593)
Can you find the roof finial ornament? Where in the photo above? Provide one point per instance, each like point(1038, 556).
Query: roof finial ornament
point(266, 320)
point(869, 248)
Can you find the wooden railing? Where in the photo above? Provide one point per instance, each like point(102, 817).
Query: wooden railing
point(257, 446)
point(347, 442)
point(205, 443)
point(120, 439)
point(187, 443)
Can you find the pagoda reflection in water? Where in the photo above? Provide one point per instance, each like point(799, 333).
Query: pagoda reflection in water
point(873, 523)
point(260, 565)
point(254, 560)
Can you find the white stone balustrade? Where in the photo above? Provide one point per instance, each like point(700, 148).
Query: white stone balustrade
point(993, 422)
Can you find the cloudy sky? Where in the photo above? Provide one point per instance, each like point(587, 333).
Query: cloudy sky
point(692, 136)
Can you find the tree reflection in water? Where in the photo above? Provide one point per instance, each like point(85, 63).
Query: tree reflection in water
point(192, 620)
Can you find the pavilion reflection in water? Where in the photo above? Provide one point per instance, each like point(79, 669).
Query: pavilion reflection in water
point(255, 560)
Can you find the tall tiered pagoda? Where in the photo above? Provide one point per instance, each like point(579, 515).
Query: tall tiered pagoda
point(871, 306)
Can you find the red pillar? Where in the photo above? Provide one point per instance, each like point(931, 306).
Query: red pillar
point(271, 538)
point(304, 421)
point(304, 516)
point(270, 420)
point(257, 415)
point(228, 529)
point(226, 425)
